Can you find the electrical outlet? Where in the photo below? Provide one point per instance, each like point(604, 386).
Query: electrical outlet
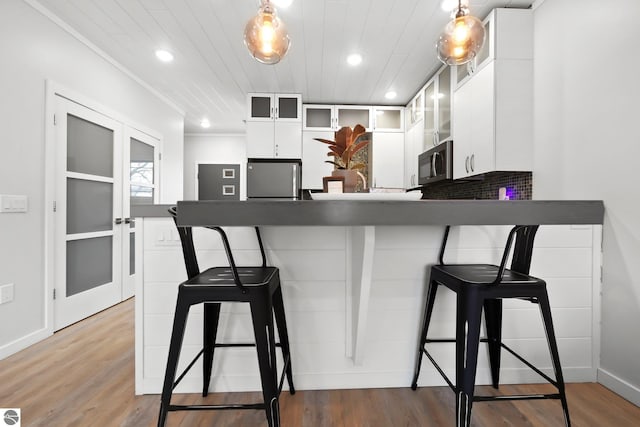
point(6, 293)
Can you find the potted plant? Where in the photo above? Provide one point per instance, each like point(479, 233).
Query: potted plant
point(347, 143)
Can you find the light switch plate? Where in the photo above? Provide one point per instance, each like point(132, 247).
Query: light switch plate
point(13, 203)
point(6, 293)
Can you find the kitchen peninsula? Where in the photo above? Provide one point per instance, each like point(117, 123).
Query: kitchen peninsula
point(353, 275)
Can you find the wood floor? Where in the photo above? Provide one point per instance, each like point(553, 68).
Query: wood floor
point(84, 376)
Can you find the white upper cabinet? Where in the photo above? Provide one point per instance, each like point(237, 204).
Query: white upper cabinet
point(438, 94)
point(493, 106)
point(332, 117)
point(274, 126)
point(508, 35)
point(388, 119)
point(274, 106)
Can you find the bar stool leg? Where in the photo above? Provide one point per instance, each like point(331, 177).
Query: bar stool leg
point(469, 319)
point(431, 297)
point(493, 322)
point(262, 316)
point(281, 322)
point(210, 330)
point(177, 334)
point(545, 310)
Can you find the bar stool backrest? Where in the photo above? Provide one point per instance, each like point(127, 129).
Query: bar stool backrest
point(189, 251)
point(521, 259)
point(523, 249)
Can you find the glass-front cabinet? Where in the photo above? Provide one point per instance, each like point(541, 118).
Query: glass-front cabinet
point(437, 108)
point(388, 119)
point(333, 117)
point(274, 106)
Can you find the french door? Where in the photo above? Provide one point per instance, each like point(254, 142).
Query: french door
point(101, 165)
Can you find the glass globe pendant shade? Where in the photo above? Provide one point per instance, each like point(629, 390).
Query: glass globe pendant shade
point(266, 36)
point(461, 39)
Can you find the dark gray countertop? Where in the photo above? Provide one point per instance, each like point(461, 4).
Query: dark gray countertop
point(344, 212)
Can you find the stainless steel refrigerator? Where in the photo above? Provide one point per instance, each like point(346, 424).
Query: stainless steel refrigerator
point(274, 179)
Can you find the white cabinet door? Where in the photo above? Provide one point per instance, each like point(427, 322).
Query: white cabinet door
point(352, 115)
point(260, 139)
point(388, 119)
point(260, 107)
point(288, 140)
point(314, 154)
point(387, 160)
point(414, 143)
point(483, 94)
point(288, 107)
point(462, 133)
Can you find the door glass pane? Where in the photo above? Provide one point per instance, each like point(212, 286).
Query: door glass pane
point(429, 115)
point(318, 117)
point(260, 106)
point(141, 195)
point(89, 206)
point(89, 264)
point(444, 104)
point(141, 173)
point(287, 108)
point(485, 50)
point(132, 254)
point(388, 119)
point(351, 117)
point(89, 147)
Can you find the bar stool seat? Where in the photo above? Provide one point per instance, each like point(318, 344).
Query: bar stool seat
point(481, 287)
point(259, 286)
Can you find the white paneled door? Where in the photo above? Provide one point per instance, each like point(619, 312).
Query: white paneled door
point(89, 225)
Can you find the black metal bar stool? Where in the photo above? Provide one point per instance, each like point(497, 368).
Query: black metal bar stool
point(258, 286)
point(484, 286)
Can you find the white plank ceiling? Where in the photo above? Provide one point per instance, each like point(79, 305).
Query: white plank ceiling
point(212, 71)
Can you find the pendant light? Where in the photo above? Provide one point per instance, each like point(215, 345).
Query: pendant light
point(266, 36)
point(461, 39)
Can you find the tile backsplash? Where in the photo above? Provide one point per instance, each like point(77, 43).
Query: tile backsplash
point(518, 184)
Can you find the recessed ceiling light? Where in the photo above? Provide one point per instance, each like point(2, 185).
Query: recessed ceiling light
point(164, 55)
point(390, 95)
point(205, 123)
point(282, 3)
point(354, 59)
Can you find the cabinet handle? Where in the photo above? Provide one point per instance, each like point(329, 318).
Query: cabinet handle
point(118, 221)
point(433, 165)
point(471, 162)
point(466, 164)
point(277, 112)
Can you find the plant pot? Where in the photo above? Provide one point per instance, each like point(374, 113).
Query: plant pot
point(350, 179)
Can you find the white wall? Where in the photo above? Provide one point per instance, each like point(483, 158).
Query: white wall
point(223, 148)
point(35, 49)
point(587, 146)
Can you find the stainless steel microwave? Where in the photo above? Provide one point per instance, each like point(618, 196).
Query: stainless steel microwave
point(436, 164)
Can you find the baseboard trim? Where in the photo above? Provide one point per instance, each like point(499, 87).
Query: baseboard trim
point(24, 342)
point(619, 386)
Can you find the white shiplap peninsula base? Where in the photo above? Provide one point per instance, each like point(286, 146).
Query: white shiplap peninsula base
point(354, 295)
